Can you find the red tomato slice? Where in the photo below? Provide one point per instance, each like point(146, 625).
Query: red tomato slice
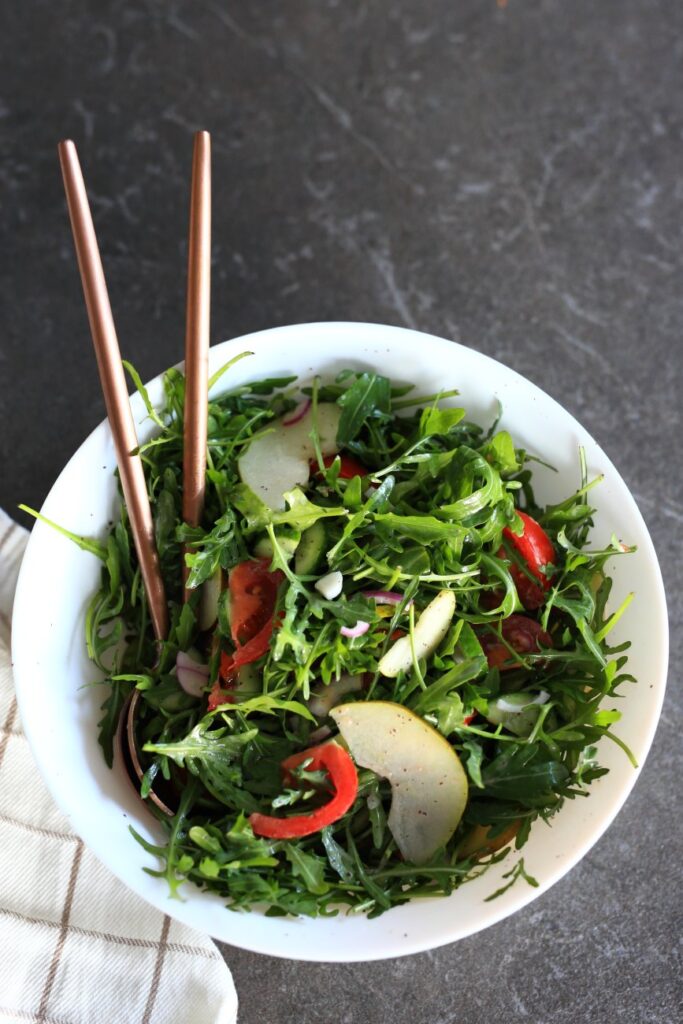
point(524, 635)
point(221, 692)
point(535, 547)
point(342, 773)
point(253, 596)
point(349, 468)
point(252, 650)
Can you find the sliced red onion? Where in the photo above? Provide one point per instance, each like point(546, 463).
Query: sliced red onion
point(384, 597)
point(192, 675)
point(297, 413)
point(359, 629)
point(513, 708)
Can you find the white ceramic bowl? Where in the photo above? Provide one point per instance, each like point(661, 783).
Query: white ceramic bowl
point(60, 715)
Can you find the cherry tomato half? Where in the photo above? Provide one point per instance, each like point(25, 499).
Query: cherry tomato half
point(535, 548)
point(253, 596)
point(522, 634)
point(221, 692)
point(349, 468)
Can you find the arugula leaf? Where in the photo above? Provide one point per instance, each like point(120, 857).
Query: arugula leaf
point(201, 838)
point(255, 511)
point(137, 381)
point(475, 753)
point(339, 859)
point(376, 500)
point(204, 745)
point(220, 547)
point(213, 380)
point(523, 774)
point(309, 868)
point(369, 395)
point(421, 528)
point(210, 754)
point(301, 513)
point(108, 724)
point(438, 699)
point(439, 421)
point(500, 452)
point(517, 872)
point(85, 543)
point(469, 467)
point(267, 704)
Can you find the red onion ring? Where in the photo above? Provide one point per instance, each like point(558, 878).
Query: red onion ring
point(384, 597)
point(192, 675)
point(514, 709)
point(359, 629)
point(298, 413)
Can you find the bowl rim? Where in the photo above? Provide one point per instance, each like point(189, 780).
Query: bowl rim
point(491, 913)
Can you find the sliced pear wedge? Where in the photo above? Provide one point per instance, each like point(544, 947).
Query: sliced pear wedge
point(279, 460)
point(430, 630)
point(428, 782)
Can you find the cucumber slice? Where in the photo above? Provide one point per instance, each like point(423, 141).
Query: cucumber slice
point(208, 600)
point(287, 537)
point(223, 610)
point(250, 681)
point(521, 722)
point(310, 555)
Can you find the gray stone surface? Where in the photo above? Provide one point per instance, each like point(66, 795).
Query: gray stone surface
point(512, 178)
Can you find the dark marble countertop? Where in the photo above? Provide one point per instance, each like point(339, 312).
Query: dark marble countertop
point(511, 177)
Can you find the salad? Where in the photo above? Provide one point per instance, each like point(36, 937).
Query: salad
point(392, 660)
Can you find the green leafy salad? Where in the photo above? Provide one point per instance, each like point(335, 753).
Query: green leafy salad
point(392, 660)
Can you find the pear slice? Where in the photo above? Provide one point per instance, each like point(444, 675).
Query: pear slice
point(428, 782)
point(279, 460)
point(430, 630)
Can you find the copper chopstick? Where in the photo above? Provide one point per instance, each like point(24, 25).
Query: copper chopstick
point(114, 385)
point(197, 334)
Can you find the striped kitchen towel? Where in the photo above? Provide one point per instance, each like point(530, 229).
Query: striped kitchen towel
point(77, 946)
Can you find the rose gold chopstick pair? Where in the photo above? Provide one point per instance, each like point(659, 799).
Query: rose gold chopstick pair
point(111, 370)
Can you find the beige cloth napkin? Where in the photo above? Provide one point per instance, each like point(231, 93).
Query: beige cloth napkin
point(76, 947)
